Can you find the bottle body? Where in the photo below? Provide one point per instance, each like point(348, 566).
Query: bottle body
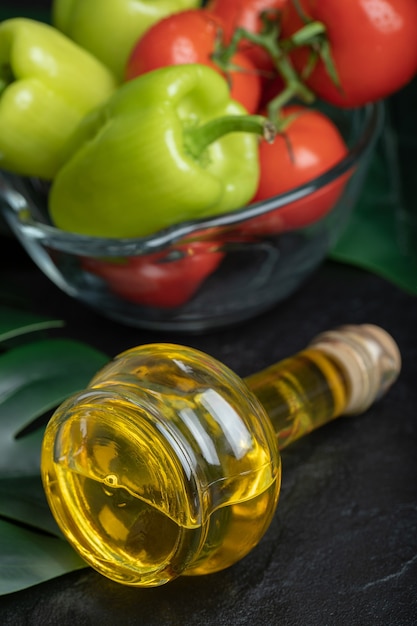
point(168, 463)
point(165, 465)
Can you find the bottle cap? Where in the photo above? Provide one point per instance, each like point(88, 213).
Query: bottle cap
point(369, 358)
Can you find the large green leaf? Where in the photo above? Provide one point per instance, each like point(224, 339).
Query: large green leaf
point(382, 233)
point(35, 377)
point(372, 238)
point(14, 323)
point(22, 500)
point(28, 558)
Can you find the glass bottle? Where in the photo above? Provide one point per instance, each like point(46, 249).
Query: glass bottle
point(168, 463)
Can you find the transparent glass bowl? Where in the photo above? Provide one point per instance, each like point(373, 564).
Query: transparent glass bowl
point(200, 274)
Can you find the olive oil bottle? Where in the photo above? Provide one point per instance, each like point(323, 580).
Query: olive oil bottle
point(168, 463)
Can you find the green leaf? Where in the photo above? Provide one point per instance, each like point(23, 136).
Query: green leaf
point(14, 323)
point(28, 558)
point(371, 240)
point(381, 235)
point(23, 499)
point(35, 377)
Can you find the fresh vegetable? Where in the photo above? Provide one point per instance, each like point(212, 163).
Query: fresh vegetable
point(47, 84)
point(110, 28)
point(372, 46)
point(192, 37)
point(246, 14)
point(164, 279)
point(308, 146)
point(166, 147)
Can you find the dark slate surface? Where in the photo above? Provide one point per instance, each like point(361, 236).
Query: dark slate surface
point(342, 548)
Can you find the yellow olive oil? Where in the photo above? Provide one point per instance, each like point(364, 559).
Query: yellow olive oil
point(168, 463)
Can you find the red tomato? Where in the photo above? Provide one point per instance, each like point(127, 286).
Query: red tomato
point(246, 14)
point(373, 45)
point(163, 279)
point(308, 147)
point(271, 89)
point(190, 37)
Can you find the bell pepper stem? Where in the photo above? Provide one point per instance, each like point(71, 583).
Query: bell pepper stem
point(198, 138)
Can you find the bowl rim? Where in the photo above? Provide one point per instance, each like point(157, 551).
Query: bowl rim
point(19, 209)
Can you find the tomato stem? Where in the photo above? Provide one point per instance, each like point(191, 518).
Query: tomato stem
point(305, 36)
point(198, 138)
point(303, 16)
point(314, 35)
point(269, 39)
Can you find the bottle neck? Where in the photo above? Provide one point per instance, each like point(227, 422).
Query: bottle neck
point(342, 371)
point(301, 393)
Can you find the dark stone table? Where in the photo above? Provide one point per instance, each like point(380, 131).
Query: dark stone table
point(342, 548)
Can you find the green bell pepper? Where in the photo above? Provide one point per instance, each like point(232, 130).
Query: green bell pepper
point(47, 84)
point(110, 29)
point(168, 146)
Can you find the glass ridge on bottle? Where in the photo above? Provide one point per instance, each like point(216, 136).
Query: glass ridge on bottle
point(168, 463)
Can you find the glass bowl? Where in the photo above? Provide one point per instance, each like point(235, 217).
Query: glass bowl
point(200, 274)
